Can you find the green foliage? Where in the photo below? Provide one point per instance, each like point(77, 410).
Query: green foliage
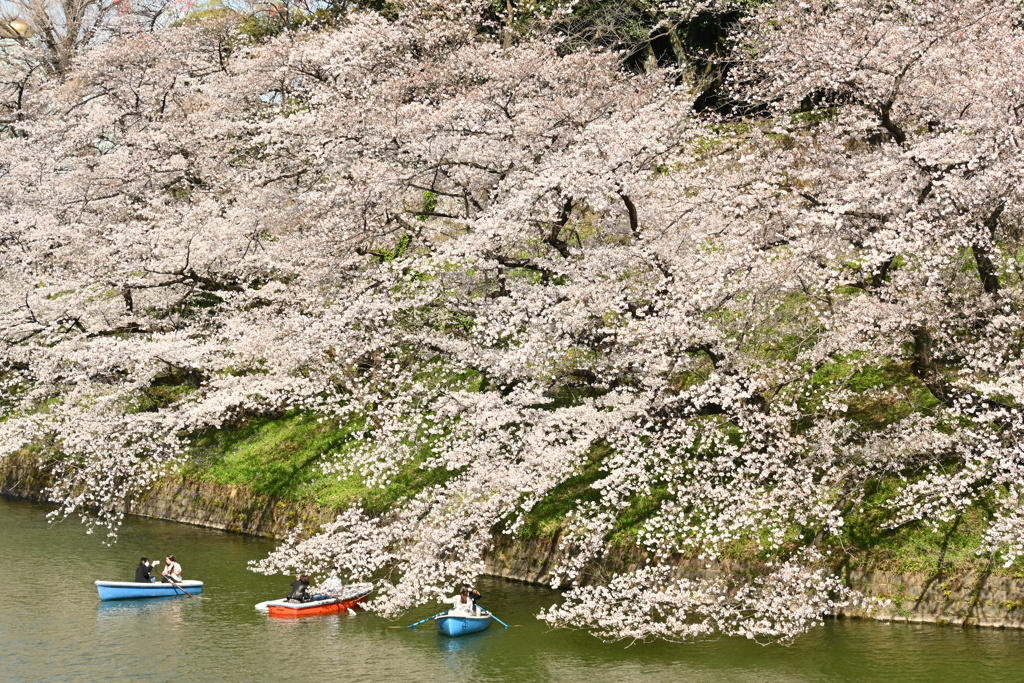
point(13, 389)
point(197, 302)
point(548, 516)
point(429, 205)
point(629, 523)
point(783, 140)
point(280, 19)
point(278, 457)
point(884, 392)
point(399, 250)
point(154, 398)
point(813, 117)
point(407, 483)
point(872, 542)
point(206, 11)
point(282, 457)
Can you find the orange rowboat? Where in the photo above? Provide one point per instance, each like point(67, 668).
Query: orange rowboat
point(318, 605)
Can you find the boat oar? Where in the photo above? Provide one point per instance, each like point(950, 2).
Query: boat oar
point(175, 584)
point(494, 617)
point(428, 619)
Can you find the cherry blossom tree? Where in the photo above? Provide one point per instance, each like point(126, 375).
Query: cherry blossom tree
point(513, 267)
point(60, 29)
point(923, 127)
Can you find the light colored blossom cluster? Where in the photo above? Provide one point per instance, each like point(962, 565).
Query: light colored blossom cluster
point(651, 603)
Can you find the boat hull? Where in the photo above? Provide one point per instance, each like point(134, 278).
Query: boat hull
point(283, 609)
point(129, 590)
point(459, 625)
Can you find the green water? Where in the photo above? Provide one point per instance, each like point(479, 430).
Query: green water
point(53, 627)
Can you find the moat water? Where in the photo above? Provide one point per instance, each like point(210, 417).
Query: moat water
point(53, 627)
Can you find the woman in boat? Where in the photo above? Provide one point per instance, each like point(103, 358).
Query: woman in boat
point(461, 603)
point(172, 570)
point(142, 571)
point(299, 587)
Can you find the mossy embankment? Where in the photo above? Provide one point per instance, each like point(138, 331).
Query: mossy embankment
point(282, 458)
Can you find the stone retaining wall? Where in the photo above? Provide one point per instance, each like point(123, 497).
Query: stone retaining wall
point(173, 498)
point(24, 477)
point(971, 600)
point(966, 600)
point(230, 508)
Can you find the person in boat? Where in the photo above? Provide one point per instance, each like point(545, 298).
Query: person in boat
point(332, 586)
point(142, 574)
point(172, 570)
point(462, 604)
point(300, 586)
point(473, 593)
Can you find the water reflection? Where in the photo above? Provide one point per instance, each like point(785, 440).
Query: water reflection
point(323, 625)
point(463, 645)
point(460, 656)
point(169, 606)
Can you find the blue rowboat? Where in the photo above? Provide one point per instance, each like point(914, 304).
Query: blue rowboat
point(129, 590)
point(460, 624)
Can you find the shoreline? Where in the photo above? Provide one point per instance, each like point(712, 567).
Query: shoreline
point(969, 600)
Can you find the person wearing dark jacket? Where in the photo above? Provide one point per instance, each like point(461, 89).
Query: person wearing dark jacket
point(472, 593)
point(142, 571)
point(299, 587)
